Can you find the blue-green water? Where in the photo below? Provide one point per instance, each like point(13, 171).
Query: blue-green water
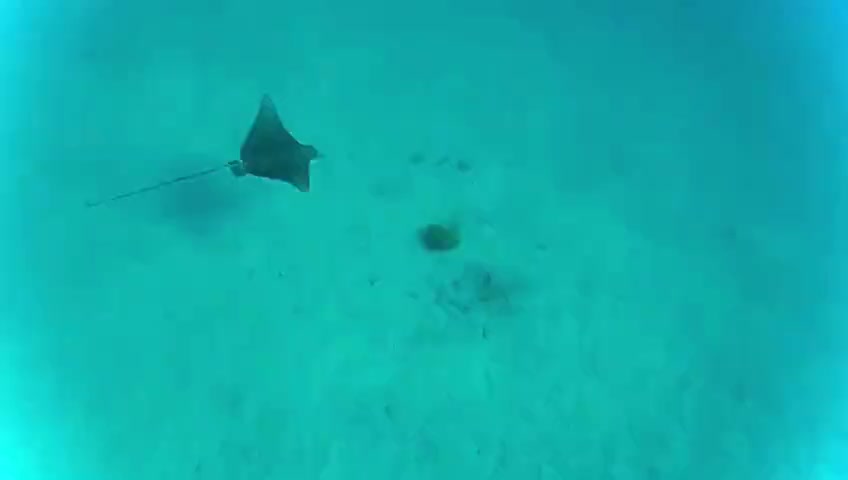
point(649, 284)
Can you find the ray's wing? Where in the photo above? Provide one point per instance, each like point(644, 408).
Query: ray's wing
point(267, 136)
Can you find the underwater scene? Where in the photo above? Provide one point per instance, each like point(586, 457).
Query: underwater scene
point(494, 240)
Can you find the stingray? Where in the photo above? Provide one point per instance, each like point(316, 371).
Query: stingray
point(269, 151)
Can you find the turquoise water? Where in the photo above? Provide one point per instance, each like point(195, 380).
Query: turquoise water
point(649, 283)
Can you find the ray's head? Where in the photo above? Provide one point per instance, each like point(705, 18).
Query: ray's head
point(310, 152)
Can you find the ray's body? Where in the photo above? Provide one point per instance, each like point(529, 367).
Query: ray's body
point(269, 151)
